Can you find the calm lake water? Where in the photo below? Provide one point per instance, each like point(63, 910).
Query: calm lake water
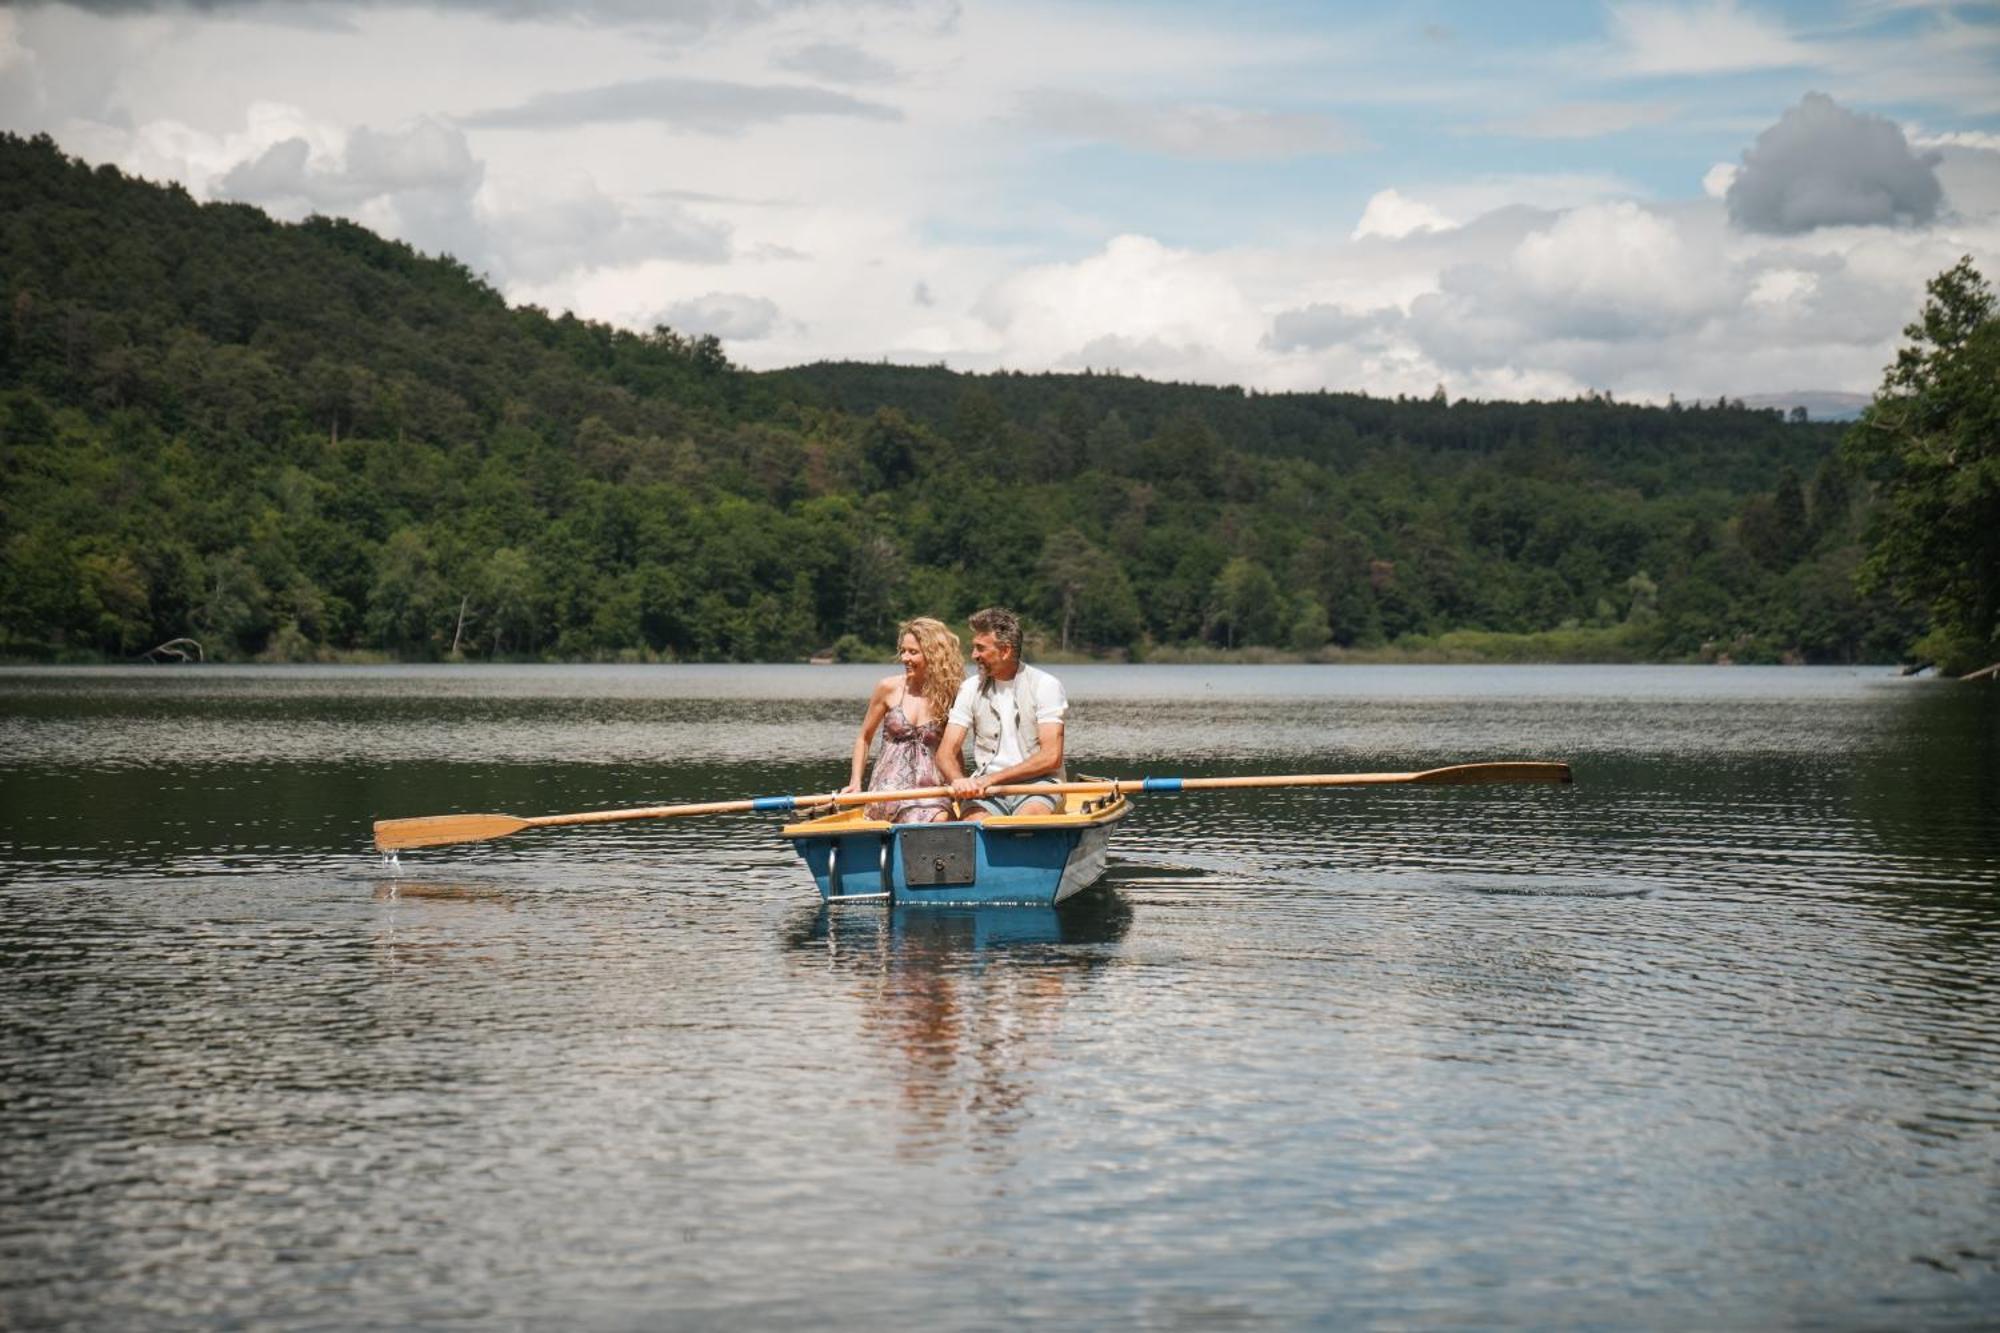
point(1710, 1039)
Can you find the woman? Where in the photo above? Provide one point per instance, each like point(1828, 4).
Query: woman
point(910, 709)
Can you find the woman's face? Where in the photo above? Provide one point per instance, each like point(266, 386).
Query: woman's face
point(911, 655)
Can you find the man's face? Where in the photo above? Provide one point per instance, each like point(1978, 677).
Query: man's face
point(989, 655)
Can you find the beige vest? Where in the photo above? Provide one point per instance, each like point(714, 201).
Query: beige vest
point(986, 719)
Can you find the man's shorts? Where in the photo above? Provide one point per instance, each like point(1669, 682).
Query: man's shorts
point(1011, 805)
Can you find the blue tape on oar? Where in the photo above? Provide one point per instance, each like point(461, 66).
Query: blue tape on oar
point(1160, 784)
point(774, 803)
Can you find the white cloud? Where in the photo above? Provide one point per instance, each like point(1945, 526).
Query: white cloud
point(539, 234)
point(1138, 301)
point(421, 183)
point(1185, 130)
point(840, 62)
point(416, 183)
point(1572, 293)
point(708, 106)
point(910, 189)
point(1971, 180)
point(1956, 139)
point(1710, 38)
point(1390, 214)
point(728, 315)
point(425, 157)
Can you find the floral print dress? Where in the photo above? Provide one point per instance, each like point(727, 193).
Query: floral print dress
point(908, 759)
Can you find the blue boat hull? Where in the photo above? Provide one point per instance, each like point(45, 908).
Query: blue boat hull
point(1025, 860)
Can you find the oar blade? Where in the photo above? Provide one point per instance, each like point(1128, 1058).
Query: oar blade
point(1472, 775)
point(438, 830)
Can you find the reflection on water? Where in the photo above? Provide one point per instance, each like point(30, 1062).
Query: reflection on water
point(1711, 1039)
point(962, 1002)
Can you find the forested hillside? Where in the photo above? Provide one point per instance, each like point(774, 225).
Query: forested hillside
point(293, 441)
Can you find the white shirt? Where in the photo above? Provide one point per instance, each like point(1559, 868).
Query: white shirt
point(1051, 705)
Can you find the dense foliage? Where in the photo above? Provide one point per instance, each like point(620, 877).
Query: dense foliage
point(286, 441)
point(1931, 444)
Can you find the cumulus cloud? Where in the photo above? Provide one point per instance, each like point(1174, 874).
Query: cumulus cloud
point(562, 227)
point(729, 315)
point(710, 106)
point(427, 156)
point(1603, 275)
point(1185, 130)
point(1822, 165)
point(416, 183)
point(1137, 304)
point(1389, 214)
point(280, 173)
point(422, 184)
point(1486, 276)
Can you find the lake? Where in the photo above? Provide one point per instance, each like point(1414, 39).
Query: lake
point(1709, 1039)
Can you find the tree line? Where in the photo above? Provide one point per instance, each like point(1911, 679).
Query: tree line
point(295, 441)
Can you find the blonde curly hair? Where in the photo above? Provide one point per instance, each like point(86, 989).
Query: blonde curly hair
point(944, 662)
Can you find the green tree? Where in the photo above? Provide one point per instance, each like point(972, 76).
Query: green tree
point(1063, 572)
point(1310, 627)
point(507, 589)
point(114, 597)
point(1930, 443)
point(1245, 605)
point(407, 600)
point(1087, 592)
point(234, 611)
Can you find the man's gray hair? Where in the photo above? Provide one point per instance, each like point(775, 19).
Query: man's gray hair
point(1002, 624)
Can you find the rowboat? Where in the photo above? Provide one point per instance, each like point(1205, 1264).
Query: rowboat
point(1032, 860)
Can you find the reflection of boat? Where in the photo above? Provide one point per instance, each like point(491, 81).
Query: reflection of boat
point(942, 932)
point(961, 1005)
point(1036, 860)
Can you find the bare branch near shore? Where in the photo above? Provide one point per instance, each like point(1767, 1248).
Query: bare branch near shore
point(177, 649)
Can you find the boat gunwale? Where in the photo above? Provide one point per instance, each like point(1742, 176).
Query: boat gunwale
point(842, 823)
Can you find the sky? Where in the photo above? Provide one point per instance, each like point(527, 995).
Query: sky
point(1645, 198)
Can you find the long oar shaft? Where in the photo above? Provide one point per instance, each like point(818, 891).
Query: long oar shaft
point(441, 830)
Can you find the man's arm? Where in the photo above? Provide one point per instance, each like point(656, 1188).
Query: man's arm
point(1048, 759)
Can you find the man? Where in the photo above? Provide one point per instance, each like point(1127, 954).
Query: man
point(1015, 715)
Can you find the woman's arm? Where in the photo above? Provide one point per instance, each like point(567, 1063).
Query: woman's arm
point(878, 708)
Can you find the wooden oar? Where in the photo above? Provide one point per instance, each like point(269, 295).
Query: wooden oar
point(440, 830)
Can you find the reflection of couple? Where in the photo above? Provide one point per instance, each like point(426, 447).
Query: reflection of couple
point(1013, 712)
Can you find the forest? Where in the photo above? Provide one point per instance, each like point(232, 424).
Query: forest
point(301, 442)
